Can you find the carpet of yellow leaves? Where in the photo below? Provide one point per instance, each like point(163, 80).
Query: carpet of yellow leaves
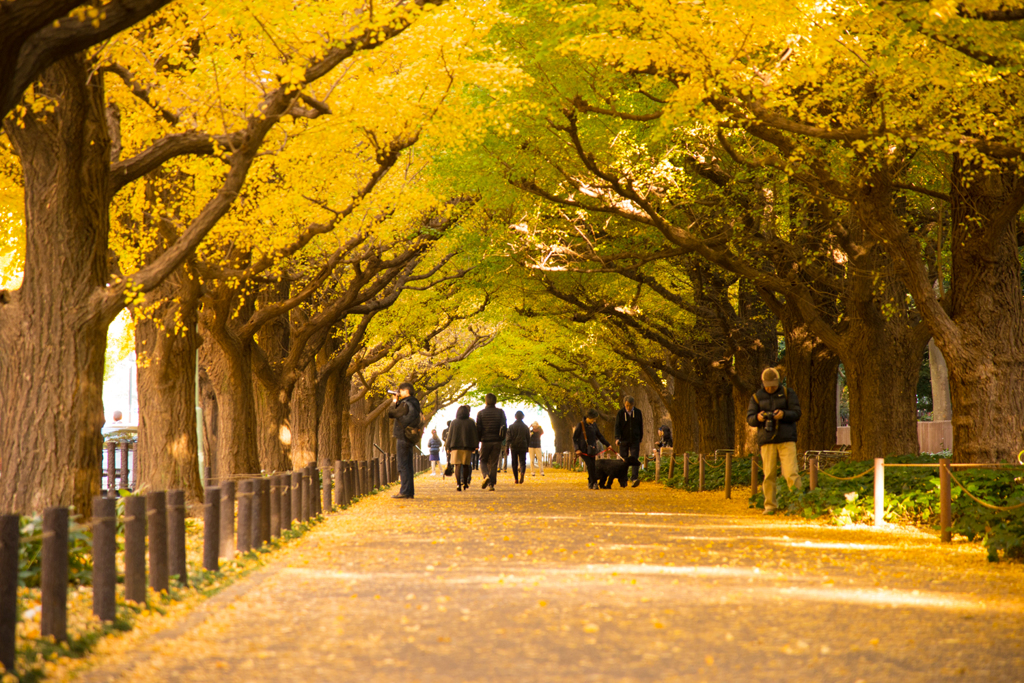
point(549, 581)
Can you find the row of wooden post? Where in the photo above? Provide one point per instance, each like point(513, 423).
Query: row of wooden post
point(267, 507)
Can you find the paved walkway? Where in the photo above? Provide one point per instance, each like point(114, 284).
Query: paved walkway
point(549, 581)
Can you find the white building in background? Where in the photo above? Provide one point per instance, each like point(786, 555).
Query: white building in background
point(121, 392)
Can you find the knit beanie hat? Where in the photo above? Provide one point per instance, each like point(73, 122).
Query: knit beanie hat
point(770, 379)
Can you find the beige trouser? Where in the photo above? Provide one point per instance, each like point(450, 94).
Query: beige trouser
point(538, 457)
point(771, 454)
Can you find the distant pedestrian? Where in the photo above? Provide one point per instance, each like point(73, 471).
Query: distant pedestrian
point(460, 444)
point(519, 444)
point(664, 439)
point(476, 457)
point(491, 426)
point(405, 411)
point(536, 456)
point(434, 448)
point(585, 439)
point(775, 410)
point(629, 432)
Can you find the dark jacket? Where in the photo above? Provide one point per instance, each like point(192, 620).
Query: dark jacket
point(491, 424)
point(666, 438)
point(592, 435)
point(434, 445)
point(629, 429)
point(461, 436)
point(519, 436)
point(535, 435)
point(782, 399)
point(405, 413)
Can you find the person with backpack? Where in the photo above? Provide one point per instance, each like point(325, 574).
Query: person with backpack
point(585, 439)
point(460, 444)
point(629, 432)
point(774, 410)
point(536, 456)
point(519, 444)
point(491, 427)
point(405, 411)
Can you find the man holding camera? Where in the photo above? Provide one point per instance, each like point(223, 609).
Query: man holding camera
point(405, 411)
point(774, 410)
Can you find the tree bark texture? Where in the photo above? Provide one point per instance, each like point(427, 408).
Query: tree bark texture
point(942, 407)
point(682, 406)
point(305, 421)
point(273, 428)
point(52, 333)
point(329, 429)
point(563, 426)
point(168, 455)
point(228, 366)
point(812, 370)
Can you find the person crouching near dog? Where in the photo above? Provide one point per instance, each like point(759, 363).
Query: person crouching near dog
point(462, 441)
point(585, 439)
point(775, 410)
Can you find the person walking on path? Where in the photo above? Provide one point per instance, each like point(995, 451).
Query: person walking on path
point(434, 447)
point(405, 411)
point(775, 410)
point(519, 444)
point(491, 426)
point(536, 457)
point(629, 432)
point(585, 439)
point(460, 444)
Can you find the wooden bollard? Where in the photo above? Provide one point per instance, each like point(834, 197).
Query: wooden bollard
point(211, 529)
point(104, 549)
point(286, 501)
point(728, 475)
point(156, 521)
point(753, 476)
point(10, 531)
point(879, 491)
point(176, 565)
point(227, 520)
point(296, 513)
point(657, 467)
point(208, 479)
point(945, 502)
point(54, 580)
point(135, 549)
point(245, 515)
point(111, 469)
point(125, 484)
point(328, 503)
point(686, 466)
point(304, 495)
point(700, 472)
point(351, 486)
point(813, 473)
point(275, 505)
point(671, 465)
point(264, 509)
point(255, 514)
point(339, 485)
point(315, 490)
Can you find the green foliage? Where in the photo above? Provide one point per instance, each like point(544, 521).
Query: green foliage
point(30, 552)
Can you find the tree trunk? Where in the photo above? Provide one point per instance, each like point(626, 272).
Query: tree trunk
point(330, 431)
point(208, 404)
point(942, 408)
point(228, 365)
point(168, 453)
point(715, 415)
point(273, 428)
point(682, 406)
point(812, 371)
point(985, 351)
point(360, 438)
point(53, 336)
point(882, 368)
point(305, 420)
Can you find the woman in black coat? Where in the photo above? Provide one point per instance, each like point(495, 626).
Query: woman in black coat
point(585, 439)
point(460, 444)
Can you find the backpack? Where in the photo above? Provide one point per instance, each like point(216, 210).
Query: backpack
point(414, 432)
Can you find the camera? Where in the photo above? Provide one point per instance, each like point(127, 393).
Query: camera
point(769, 424)
point(392, 392)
